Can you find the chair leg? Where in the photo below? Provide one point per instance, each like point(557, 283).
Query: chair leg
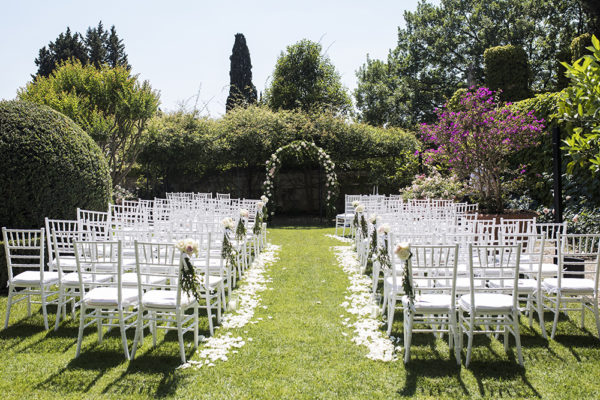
point(209, 315)
point(196, 325)
point(470, 340)
point(29, 305)
point(391, 309)
point(99, 326)
point(517, 336)
point(81, 326)
point(180, 336)
point(123, 334)
point(408, 334)
point(582, 314)
point(8, 306)
point(540, 310)
point(597, 315)
point(44, 310)
point(556, 314)
point(138, 332)
point(154, 329)
point(59, 307)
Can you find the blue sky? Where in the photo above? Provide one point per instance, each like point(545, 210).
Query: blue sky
point(183, 47)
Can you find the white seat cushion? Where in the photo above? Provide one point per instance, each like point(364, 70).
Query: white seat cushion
point(33, 278)
point(430, 302)
point(548, 269)
point(389, 282)
point(165, 299)
point(72, 279)
point(568, 285)
point(108, 297)
point(464, 285)
point(525, 285)
point(66, 262)
point(487, 302)
point(214, 281)
point(130, 279)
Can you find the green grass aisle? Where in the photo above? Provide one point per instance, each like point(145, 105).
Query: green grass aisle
point(299, 353)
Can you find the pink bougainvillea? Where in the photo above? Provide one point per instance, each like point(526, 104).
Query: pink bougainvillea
point(476, 140)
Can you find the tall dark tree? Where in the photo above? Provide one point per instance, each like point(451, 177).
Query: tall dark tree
point(95, 41)
point(97, 47)
point(65, 47)
point(115, 50)
point(241, 90)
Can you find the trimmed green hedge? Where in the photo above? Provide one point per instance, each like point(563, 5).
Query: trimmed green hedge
point(182, 150)
point(49, 167)
point(506, 68)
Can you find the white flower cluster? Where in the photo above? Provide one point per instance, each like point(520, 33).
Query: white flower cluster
point(255, 281)
point(228, 223)
point(340, 238)
point(188, 246)
point(244, 213)
point(360, 303)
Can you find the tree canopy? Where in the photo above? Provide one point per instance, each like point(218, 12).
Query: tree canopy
point(110, 104)
point(98, 47)
point(441, 49)
point(305, 79)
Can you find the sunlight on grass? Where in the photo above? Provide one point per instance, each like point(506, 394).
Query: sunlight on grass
point(299, 353)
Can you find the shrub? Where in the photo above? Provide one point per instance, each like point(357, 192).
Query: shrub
point(49, 166)
point(506, 68)
point(477, 142)
point(435, 186)
point(183, 152)
point(579, 46)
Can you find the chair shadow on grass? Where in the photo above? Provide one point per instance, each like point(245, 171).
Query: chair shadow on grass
point(162, 359)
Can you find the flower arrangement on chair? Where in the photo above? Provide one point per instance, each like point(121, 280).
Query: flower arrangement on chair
point(190, 280)
point(403, 253)
point(228, 252)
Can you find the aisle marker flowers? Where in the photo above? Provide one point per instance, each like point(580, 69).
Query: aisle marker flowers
point(190, 281)
point(217, 348)
point(360, 303)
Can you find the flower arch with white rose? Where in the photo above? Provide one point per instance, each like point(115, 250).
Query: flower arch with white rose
point(302, 150)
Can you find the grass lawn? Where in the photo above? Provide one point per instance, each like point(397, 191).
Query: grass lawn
point(299, 353)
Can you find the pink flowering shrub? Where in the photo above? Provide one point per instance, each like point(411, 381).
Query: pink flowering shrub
point(476, 141)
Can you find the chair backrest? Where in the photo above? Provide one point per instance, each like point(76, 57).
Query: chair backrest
point(515, 225)
point(579, 257)
point(24, 249)
point(532, 249)
point(61, 234)
point(551, 232)
point(98, 260)
point(432, 269)
point(157, 260)
point(496, 263)
point(94, 222)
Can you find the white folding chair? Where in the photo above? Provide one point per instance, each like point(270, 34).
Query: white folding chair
point(24, 250)
point(579, 285)
point(432, 273)
point(163, 305)
point(491, 307)
point(105, 299)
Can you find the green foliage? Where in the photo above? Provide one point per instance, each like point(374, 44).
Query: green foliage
point(49, 167)
point(506, 68)
point(579, 46)
point(246, 137)
point(441, 45)
point(241, 89)
point(305, 79)
point(111, 105)
point(435, 186)
point(98, 47)
point(580, 108)
point(539, 158)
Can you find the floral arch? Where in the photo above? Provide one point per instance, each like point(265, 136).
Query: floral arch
point(303, 150)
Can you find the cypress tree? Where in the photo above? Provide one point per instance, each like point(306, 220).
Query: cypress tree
point(241, 90)
point(95, 40)
point(65, 47)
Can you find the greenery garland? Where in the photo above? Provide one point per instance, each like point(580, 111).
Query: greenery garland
point(228, 253)
point(258, 223)
point(403, 252)
point(190, 281)
point(364, 227)
point(303, 150)
point(240, 231)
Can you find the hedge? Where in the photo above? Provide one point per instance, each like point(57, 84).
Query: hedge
point(49, 167)
point(506, 68)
